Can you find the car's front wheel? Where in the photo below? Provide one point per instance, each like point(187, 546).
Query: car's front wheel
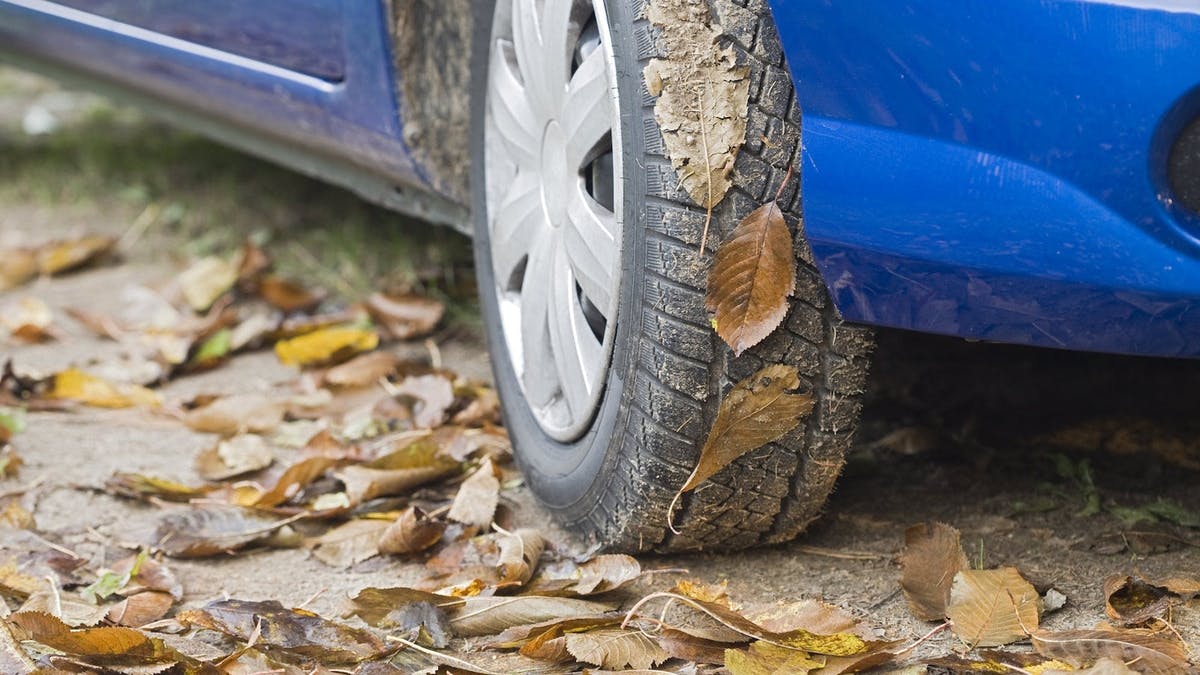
point(592, 287)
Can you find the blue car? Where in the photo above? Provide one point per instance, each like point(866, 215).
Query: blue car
point(1025, 171)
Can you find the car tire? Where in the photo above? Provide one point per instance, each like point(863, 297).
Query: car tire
point(609, 470)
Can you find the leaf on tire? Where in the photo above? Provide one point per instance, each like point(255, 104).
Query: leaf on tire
point(703, 98)
point(616, 649)
point(1153, 653)
point(756, 411)
point(753, 274)
point(989, 608)
point(932, 555)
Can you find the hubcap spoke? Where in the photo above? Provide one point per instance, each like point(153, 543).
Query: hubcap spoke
point(591, 244)
point(588, 111)
point(518, 225)
point(509, 104)
point(576, 350)
point(533, 57)
point(539, 379)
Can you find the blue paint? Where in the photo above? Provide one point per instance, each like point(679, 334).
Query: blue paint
point(996, 170)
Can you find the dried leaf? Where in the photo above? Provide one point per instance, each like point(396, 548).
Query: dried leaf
point(294, 479)
point(107, 645)
point(362, 370)
point(140, 609)
point(717, 594)
point(1131, 602)
point(239, 413)
point(1152, 654)
point(76, 385)
point(755, 412)
point(764, 658)
point(989, 608)
point(17, 266)
point(350, 543)
point(292, 630)
point(289, 296)
point(206, 280)
point(615, 648)
point(377, 606)
point(813, 616)
point(702, 101)
point(27, 319)
point(199, 532)
point(147, 574)
point(752, 275)
point(477, 498)
point(213, 351)
point(238, 455)
point(681, 645)
point(13, 658)
point(326, 345)
point(411, 532)
point(63, 256)
point(518, 636)
point(932, 556)
point(434, 394)
point(491, 615)
point(405, 317)
point(141, 486)
point(519, 555)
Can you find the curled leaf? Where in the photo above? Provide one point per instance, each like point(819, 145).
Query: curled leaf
point(411, 532)
point(405, 317)
point(238, 455)
point(1152, 653)
point(932, 555)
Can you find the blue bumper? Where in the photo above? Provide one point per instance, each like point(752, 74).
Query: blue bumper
point(998, 170)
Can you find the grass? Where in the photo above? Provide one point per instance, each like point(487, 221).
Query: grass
point(177, 192)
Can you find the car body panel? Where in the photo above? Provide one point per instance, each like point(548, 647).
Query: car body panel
point(997, 170)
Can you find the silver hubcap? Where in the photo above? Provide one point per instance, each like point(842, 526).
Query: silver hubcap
point(552, 183)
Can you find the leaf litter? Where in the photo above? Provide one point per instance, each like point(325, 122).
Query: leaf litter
point(367, 456)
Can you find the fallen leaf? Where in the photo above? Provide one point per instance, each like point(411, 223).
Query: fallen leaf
point(989, 608)
point(518, 636)
point(13, 658)
point(932, 555)
point(615, 648)
point(1104, 666)
point(109, 645)
point(213, 350)
point(206, 280)
point(1150, 653)
point(326, 345)
point(233, 457)
point(519, 555)
point(813, 616)
point(27, 319)
point(681, 645)
point(717, 594)
point(434, 394)
point(253, 263)
point(294, 479)
point(147, 574)
point(350, 543)
point(764, 658)
point(140, 609)
point(477, 498)
point(362, 370)
point(291, 630)
point(752, 275)
point(411, 532)
point(377, 606)
point(755, 412)
point(17, 266)
point(18, 584)
point(405, 317)
point(399, 471)
point(490, 615)
point(75, 385)
point(141, 486)
point(288, 296)
point(1130, 601)
point(63, 256)
point(239, 413)
point(12, 422)
point(199, 532)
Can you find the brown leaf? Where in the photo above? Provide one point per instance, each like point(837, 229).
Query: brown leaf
point(363, 370)
point(1131, 602)
point(681, 645)
point(868, 660)
point(599, 574)
point(615, 648)
point(199, 532)
point(491, 615)
point(755, 412)
point(147, 574)
point(932, 556)
point(377, 606)
point(718, 594)
point(517, 636)
point(349, 543)
point(291, 630)
point(405, 317)
point(238, 455)
point(434, 394)
point(63, 256)
point(813, 616)
point(753, 274)
point(13, 658)
point(74, 613)
point(107, 645)
point(411, 532)
point(140, 609)
point(253, 262)
point(289, 296)
point(477, 498)
point(141, 486)
point(206, 280)
point(764, 658)
point(1152, 653)
point(239, 413)
point(519, 555)
point(989, 608)
point(294, 479)
point(17, 266)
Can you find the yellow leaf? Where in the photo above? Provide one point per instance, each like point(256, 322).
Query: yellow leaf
point(76, 385)
point(764, 658)
point(325, 345)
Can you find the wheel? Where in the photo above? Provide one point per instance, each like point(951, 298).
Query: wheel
point(592, 287)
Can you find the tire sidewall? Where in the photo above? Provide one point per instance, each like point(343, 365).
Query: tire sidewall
point(569, 477)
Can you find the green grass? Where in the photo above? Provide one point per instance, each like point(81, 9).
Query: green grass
point(176, 192)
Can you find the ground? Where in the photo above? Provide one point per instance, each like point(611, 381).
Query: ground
point(1009, 445)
